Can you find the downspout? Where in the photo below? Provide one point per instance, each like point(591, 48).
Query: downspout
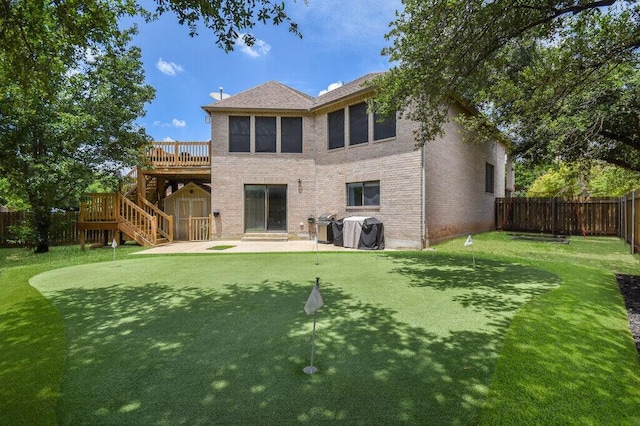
point(423, 199)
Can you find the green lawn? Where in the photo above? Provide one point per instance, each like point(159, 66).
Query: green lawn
point(536, 334)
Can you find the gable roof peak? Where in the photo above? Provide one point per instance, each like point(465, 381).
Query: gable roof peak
point(271, 95)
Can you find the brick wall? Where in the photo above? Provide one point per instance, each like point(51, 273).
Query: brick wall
point(455, 200)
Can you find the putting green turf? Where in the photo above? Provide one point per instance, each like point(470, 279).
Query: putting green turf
point(403, 337)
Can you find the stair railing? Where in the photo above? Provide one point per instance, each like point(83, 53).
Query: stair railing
point(165, 221)
point(144, 224)
point(129, 182)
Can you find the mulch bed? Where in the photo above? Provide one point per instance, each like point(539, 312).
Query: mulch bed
point(630, 289)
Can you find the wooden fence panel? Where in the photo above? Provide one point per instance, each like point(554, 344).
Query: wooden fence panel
point(630, 220)
point(63, 229)
point(7, 221)
point(593, 216)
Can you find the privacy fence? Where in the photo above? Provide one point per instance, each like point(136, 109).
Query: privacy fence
point(591, 216)
point(63, 229)
point(585, 216)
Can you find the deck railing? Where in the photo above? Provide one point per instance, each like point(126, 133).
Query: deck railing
point(179, 154)
point(99, 208)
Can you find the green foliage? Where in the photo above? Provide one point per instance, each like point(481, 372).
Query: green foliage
point(600, 180)
point(226, 18)
point(562, 181)
point(609, 181)
point(72, 88)
point(559, 78)
point(10, 197)
point(525, 174)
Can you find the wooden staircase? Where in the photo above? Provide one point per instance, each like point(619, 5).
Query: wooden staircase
point(113, 212)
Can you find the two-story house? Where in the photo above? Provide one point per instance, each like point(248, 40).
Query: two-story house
point(279, 156)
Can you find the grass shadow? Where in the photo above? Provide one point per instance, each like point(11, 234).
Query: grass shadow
point(170, 352)
point(161, 355)
point(493, 286)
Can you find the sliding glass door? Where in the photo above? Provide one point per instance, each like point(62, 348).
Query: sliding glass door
point(265, 208)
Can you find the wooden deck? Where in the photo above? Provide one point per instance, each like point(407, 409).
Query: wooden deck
point(116, 215)
point(166, 164)
point(179, 155)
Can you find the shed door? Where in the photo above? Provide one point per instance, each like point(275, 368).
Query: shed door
point(186, 207)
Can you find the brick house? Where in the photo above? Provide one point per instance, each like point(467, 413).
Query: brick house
point(279, 156)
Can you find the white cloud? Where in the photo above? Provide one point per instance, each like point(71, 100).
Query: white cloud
point(260, 47)
point(174, 123)
point(331, 87)
point(168, 68)
point(179, 123)
point(168, 139)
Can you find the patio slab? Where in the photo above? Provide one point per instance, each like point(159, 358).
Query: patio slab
point(238, 246)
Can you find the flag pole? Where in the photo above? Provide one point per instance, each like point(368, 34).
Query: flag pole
point(473, 254)
point(311, 369)
point(469, 242)
point(114, 245)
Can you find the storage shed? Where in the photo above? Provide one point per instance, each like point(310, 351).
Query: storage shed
point(189, 201)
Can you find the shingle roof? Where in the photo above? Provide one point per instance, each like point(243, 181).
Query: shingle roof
point(270, 95)
point(276, 96)
point(345, 90)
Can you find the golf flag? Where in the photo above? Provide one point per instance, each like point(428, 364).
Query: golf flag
point(114, 244)
point(314, 302)
point(469, 241)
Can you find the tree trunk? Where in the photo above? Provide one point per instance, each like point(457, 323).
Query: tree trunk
point(42, 221)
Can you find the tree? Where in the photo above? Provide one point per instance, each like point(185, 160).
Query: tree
point(525, 174)
point(601, 180)
point(559, 78)
point(71, 88)
point(56, 134)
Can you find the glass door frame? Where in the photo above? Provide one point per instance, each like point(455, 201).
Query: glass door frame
point(267, 211)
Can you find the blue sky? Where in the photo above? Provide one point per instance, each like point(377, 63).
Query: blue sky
point(342, 40)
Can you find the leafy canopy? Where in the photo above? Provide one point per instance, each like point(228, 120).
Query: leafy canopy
point(72, 88)
point(560, 78)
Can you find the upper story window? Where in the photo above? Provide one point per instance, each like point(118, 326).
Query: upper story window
point(358, 124)
point(239, 134)
point(265, 134)
point(336, 129)
point(383, 127)
point(291, 134)
point(363, 193)
point(488, 177)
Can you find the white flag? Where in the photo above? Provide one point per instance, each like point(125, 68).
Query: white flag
point(469, 241)
point(314, 302)
point(114, 244)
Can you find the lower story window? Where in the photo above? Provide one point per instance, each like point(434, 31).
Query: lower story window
point(363, 193)
point(488, 178)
